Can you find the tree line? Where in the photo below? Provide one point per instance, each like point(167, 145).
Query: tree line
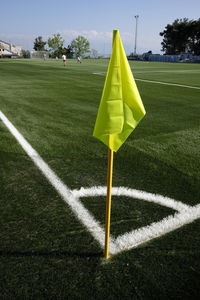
point(182, 36)
point(78, 46)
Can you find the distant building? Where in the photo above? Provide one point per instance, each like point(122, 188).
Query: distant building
point(8, 49)
point(183, 57)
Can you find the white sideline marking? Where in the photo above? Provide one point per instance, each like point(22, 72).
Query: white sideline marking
point(132, 193)
point(167, 71)
point(99, 73)
point(185, 215)
point(77, 207)
point(145, 234)
point(159, 82)
point(171, 84)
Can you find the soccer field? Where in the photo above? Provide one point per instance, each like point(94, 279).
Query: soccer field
point(53, 249)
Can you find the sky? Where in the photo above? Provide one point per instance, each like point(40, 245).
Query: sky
point(23, 20)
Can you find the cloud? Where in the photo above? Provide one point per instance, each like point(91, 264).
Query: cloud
point(92, 35)
point(23, 40)
point(99, 40)
point(102, 41)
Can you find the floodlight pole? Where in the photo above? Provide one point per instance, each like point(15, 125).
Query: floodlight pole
point(136, 25)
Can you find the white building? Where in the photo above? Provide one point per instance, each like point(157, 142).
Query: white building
point(10, 49)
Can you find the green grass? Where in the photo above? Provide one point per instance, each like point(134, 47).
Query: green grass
point(45, 252)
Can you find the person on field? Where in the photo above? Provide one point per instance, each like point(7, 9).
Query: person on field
point(79, 59)
point(64, 59)
point(1, 53)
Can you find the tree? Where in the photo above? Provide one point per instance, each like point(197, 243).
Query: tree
point(80, 45)
point(194, 38)
point(26, 53)
point(69, 52)
point(181, 36)
point(39, 44)
point(55, 42)
point(60, 51)
point(94, 53)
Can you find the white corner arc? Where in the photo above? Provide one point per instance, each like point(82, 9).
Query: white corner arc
point(184, 214)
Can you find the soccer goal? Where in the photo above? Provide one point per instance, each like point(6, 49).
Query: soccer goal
point(40, 54)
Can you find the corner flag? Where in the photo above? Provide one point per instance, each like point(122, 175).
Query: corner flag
point(121, 107)
point(120, 111)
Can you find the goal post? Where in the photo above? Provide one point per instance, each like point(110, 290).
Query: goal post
point(40, 54)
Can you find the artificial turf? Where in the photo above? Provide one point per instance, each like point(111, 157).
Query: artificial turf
point(45, 253)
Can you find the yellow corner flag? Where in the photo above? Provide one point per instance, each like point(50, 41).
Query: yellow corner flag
point(121, 107)
point(120, 111)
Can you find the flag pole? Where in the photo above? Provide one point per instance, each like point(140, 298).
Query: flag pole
point(114, 123)
point(108, 202)
point(109, 191)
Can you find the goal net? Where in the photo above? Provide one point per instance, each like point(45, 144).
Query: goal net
point(39, 54)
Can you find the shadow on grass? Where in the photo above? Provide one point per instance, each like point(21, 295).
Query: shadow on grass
point(52, 254)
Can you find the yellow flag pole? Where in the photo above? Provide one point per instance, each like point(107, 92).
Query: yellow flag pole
point(108, 202)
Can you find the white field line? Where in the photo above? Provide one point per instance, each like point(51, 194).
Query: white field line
point(132, 193)
point(158, 82)
point(186, 214)
point(168, 71)
point(99, 73)
point(145, 234)
point(77, 207)
point(171, 84)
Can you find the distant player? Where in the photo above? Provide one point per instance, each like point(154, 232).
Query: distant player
point(1, 53)
point(79, 60)
point(64, 59)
